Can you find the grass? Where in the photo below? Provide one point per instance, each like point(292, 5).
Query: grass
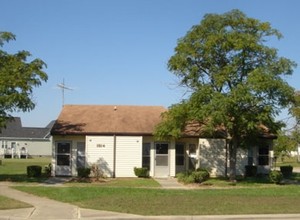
point(150, 201)
point(7, 203)
point(142, 196)
point(292, 161)
point(117, 182)
point(15, 169)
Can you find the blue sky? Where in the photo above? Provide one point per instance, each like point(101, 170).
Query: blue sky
point(116, 51)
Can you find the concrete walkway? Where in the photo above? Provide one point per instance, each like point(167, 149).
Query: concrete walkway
point(171, 183)
point(46, 209)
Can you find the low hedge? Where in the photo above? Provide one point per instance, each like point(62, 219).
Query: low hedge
point(250, 171)
point(286, 171)
point(84, 172)
point(34, 171)
point(198, 176)
point(141, 172)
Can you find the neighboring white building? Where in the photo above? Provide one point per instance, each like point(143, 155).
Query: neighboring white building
point(119, 138)
point(17, 141)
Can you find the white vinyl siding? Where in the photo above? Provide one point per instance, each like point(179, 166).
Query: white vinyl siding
point(213, 155)
point(128, 155)
point(99, 151)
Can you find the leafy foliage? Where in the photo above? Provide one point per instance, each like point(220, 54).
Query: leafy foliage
point(141, 172)
point(295, 110)
point(235, 79)
point(34, 171)
point(283, 145)
point(286, 171)
point(275, 176)
point(198, 176)
point(84, 172)
point(18, 77)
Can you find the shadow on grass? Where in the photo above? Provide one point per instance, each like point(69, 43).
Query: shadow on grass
point(22, 178)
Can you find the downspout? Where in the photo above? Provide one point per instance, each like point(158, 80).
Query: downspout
point(115, 144)
point(114, 156)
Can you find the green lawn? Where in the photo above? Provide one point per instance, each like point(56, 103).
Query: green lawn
point(143, 196)
point(7, 203)
point(205, 201)
point(292, 161)
point(16, 169)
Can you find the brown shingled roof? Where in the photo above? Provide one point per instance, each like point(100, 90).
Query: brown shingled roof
point(107, 119)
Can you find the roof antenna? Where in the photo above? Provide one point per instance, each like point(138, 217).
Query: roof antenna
point(63, 87)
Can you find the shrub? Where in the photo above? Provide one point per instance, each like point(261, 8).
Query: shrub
point(84, 172)
point(286, 171)
point(34, 171)
point(204, 170)
point(48, 169)
point(250, 171)
point(180, 177)
point(275, 176)
point(97, 172)
point(198, 176)
point(141, 172)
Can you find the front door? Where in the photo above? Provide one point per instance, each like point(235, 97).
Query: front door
point(162, 160)
point(63, 159)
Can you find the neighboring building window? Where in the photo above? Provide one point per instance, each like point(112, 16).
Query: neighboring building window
point(179, 154)
point(4, 144)
point(13, 145)
point(263, 155)
point(146, 155)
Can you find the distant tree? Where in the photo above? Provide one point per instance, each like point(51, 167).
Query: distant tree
point(235, 80)
point(295, 109)
point(283, 145)
point(18, 77)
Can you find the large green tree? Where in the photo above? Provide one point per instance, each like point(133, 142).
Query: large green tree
point(18, 77)
point(234, 77)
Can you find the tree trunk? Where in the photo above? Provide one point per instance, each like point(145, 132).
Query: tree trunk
point(232, 160)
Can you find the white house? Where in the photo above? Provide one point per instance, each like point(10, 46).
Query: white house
point(119, 138)
point(18, 141)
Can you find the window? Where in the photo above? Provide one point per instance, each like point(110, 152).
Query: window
point(250, 157)
point(13, 145)
point(146, 155)
point(179, 154)
point(192, 149)
point(4, 144)
point(263, 155)
point(162, 148)
point(80, 154)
